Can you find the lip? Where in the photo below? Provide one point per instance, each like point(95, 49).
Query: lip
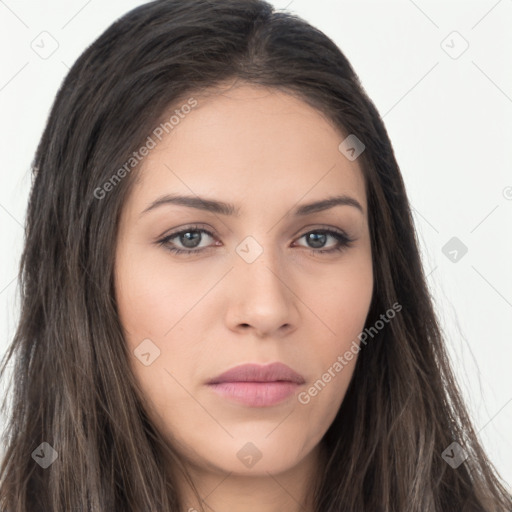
point(257, 385)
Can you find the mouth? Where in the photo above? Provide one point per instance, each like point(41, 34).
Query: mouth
point(256, 385)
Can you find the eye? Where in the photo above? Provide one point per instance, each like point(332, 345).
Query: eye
point(318, 238)
point(189, 238)
point(187, 241)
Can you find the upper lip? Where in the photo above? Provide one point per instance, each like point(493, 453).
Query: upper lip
point(259, 373)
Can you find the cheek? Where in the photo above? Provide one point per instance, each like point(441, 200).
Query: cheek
point(342, 308)
point(333, 357)
point(349, 307)
point(151, 299)
point(342, 302)
point(153, 306)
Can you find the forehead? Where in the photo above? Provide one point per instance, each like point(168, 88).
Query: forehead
point(249, 145)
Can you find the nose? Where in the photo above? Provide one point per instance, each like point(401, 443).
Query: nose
point(263, 299)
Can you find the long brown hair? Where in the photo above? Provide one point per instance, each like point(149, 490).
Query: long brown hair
point(72, 386)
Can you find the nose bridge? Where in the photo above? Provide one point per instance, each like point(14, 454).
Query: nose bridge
point(262, 296)
point(260, 264)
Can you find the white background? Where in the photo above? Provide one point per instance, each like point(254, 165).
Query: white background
point(449, 120)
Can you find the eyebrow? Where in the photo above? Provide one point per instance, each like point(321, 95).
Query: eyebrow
point(223, 208)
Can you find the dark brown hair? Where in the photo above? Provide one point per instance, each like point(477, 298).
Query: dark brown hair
point(72, 385)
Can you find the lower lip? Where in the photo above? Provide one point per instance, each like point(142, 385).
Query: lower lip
point(256, 394)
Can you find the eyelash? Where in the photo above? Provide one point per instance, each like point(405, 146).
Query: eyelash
point(344, 241)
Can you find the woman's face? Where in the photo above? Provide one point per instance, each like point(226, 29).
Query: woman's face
point(253, 286)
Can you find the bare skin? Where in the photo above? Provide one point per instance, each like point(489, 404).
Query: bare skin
point(267, 153)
